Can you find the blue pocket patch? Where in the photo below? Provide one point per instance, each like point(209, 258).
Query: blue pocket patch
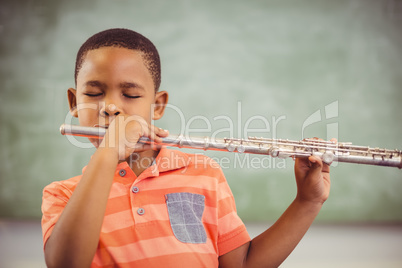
point(185, 214)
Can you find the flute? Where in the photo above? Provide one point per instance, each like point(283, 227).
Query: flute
point(328, 151)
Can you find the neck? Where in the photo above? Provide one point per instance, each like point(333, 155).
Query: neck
point(140, 161)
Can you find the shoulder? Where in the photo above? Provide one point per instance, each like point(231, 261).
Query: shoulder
point(189, 164)
point(180, 158)
point(62, 188)
point(199, 159)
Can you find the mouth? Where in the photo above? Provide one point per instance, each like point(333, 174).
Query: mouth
point(101, 126)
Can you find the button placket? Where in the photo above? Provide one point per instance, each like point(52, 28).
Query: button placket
point(135, 200)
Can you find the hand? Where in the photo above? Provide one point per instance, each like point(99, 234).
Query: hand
point(124, 132)
point(312, 179)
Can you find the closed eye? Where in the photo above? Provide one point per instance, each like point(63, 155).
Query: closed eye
point(131, 96)
point(93, 94)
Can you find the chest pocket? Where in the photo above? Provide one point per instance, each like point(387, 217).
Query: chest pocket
point(185, 214)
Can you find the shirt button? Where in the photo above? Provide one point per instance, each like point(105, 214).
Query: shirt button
point(141, 211)
point(135, 189)
point(122, 172)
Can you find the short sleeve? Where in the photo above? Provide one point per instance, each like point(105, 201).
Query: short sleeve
point(54, 199)
point(232, 232)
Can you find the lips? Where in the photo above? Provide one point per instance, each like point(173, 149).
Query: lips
point(102, 126)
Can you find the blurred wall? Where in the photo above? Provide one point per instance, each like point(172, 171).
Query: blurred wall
point(294, 68)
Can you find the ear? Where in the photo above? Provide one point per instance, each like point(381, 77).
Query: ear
point(161, 99)
point(72, 101)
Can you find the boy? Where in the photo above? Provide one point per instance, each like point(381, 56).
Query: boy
point(164, 208)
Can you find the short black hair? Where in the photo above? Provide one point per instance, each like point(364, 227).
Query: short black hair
point(123, 38)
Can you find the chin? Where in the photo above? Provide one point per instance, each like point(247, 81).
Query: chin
point(95, 142)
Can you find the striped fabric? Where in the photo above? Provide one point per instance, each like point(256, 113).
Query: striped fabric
point(179, 212)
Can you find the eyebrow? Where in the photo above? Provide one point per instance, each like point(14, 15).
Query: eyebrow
point(129, 85)
point(96, 83)
point(124, 85)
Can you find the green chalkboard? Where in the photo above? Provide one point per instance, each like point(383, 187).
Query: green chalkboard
point(283, 69)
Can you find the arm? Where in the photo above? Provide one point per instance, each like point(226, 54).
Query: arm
point(75, 236)
point(273, 246)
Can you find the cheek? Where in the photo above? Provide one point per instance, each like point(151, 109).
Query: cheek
point(143, 110)
point(147, 114)
point(87, 115)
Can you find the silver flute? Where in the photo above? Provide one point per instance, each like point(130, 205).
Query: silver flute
point(328, 151)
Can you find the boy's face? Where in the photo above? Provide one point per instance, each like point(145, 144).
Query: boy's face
point(114, 81)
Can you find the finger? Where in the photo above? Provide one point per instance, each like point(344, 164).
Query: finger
point(161, 132)
point(334, 140)
point(301, 168)
point(325, 168)
point(144, 147)
point(316, 166)
point(156, 133)
point(302, 162)
point(314, 138)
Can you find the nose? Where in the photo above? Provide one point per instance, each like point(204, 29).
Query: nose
point(110, 110)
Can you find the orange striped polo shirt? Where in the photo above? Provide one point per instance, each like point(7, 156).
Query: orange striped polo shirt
point(180, 212)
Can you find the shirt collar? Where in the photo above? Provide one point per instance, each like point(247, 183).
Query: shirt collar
point(166, 160)
point(123, 165)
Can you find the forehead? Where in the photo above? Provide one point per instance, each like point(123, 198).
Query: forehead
point(114, 55)
point(116, 62)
